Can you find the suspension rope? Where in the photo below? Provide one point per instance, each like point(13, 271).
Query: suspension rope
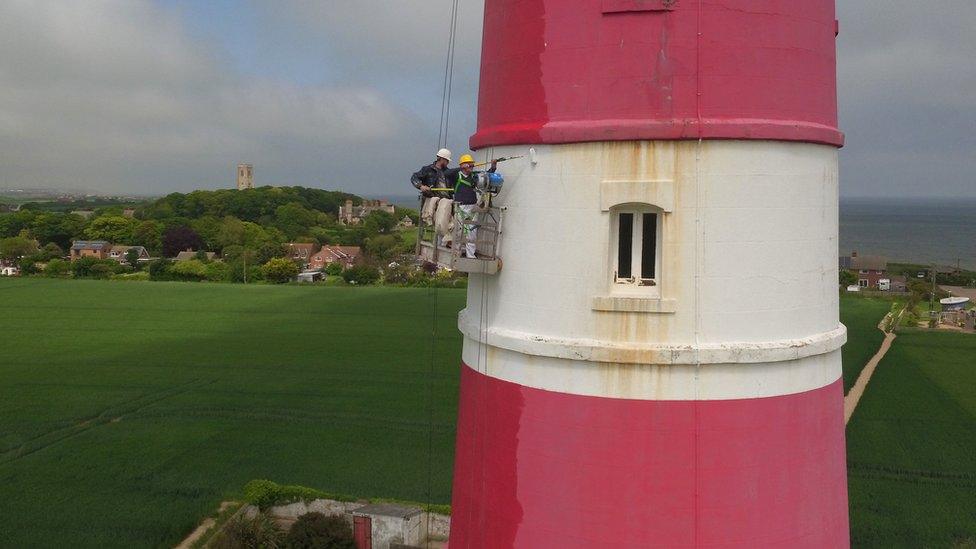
point(442, 138)
point(448, 85)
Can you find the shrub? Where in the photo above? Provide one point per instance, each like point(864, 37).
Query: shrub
point(361, 275)
point(262, 493)
point(57, 268)
point(265, 493)
point(317, 531)
point(254, 272)
point(190, 270)
point(159, 269)
point(258, 532)
point(218, 271)
point(280, 270)
point(334, 268)
point(91, 267)
point(28, 266)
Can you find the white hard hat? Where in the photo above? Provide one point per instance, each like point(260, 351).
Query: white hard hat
point(445, 154)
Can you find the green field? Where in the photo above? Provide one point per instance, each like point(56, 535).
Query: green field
point(128, 411)
point(912, 446)
point(861, 315)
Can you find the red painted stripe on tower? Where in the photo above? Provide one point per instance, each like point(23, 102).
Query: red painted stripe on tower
point(537, 468)
point(555, 71)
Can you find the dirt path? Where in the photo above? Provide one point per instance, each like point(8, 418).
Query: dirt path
point(206, 525)
point(857, 391)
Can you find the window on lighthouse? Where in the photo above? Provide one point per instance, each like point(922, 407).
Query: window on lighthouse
point(635, 247)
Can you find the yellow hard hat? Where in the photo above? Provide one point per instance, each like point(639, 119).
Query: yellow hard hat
point(466, 158)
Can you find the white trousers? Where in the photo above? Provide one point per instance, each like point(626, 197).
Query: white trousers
point(464, 215)
point(442, 219)
point(429, 209)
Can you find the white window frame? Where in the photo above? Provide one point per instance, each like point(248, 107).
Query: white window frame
point(636, 284)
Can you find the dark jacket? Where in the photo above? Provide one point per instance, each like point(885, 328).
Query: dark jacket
point(435, 178)
point(464, 186)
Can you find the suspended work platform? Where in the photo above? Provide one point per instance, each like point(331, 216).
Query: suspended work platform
point(445, 248)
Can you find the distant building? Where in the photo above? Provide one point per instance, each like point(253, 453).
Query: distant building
point(121, 253)
point(245, 177)
point(129, 212)
point(353, 215)
point(84, 213)
point(869, 268)
point(406, 222)
point(309, 276)
point(899, 283)
point(300, 251)
point(190, 254)
point(346, 255)
point(9, 270)
point(99, 249)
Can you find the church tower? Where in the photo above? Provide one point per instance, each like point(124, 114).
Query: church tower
point(245, 177)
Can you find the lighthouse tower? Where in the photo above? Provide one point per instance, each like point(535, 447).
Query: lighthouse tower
point(657, 363)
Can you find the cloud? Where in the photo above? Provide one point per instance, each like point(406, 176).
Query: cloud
point(147, 95)
point(114, 95)
point(906, 75)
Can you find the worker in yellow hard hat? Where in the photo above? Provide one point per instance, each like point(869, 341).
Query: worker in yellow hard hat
point(465, 181)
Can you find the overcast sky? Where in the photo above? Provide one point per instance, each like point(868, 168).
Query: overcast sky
point(152, 96)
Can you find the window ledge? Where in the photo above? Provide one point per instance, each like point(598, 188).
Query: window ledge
point(634, 304)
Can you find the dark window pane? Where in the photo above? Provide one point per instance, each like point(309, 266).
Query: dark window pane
point(625, 240)
point(649, 246)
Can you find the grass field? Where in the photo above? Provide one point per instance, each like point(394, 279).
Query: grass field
point(861, 316)
point(912, 446)
point(128, 411)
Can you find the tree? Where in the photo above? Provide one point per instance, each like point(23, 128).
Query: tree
point(179, 238)
point(13, 224)
point(847, 278)
point(57, 228)
point(280, 270)
point(148, 235)
point(132, 258)
point(16, 247)
point(379, 222)
point(117, 229)
point(230, 233)
point(50, 251)
point(208, 228)
point(294, 220)
point(382, 247)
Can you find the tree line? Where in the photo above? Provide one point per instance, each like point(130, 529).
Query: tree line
point(247, 229)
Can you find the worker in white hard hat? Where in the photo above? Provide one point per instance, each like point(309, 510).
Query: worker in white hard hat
point(430, 180)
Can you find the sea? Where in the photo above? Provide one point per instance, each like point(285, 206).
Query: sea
point(905, 230)
point(924, 231)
